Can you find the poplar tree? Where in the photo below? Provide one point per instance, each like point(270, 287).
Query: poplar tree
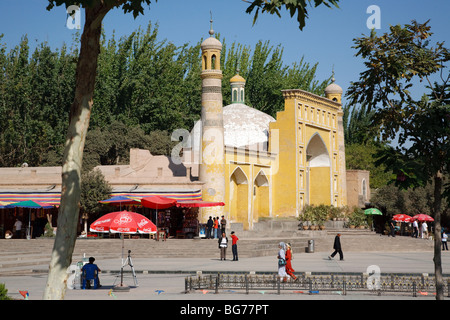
point(394, 61)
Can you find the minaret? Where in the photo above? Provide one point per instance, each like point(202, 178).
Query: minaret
point(237, 89)
point(212, 166)
point(334, 93)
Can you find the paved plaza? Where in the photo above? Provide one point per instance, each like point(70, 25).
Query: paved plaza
point(163, 278)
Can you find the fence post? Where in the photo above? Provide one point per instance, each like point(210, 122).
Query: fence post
point(217, 283)
point(246, 284)
point(278, 285)
point(344, 286)
point(448, 288)
point(310, 285)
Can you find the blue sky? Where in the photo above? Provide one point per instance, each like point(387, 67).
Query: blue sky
point(326, 39)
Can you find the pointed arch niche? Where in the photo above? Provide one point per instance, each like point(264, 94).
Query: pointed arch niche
point(261, 203)
point(239, 195)
point(318, 175)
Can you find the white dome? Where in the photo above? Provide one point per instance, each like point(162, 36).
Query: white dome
point(243, 127)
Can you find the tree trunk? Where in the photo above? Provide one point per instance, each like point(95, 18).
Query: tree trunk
point(437, 236)
point(80, 113)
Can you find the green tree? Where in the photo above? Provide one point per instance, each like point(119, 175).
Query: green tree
point(393, 61)
point(94, 188)
point(363, 157)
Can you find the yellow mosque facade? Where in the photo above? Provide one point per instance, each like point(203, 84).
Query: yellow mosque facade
point(259, 166)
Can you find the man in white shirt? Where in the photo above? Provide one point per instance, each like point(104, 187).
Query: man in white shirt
point(415, 229)
point(424, 230)
point(444, 240)
point(18, 226)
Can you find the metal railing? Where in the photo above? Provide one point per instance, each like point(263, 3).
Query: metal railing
point(417, 284)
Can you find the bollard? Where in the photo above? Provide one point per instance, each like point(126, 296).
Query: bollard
point(310, 246)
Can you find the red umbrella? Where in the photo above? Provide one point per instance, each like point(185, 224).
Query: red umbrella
point(158, 202)
point(402, 218)
point(422, 217)
point(123, 222)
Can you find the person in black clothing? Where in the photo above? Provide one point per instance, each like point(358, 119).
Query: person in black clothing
point(392, 228)
point(337, 248)
point(209, 225)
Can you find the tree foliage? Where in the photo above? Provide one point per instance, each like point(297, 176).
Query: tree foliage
point(393, 61)
point(94, 188)
point(295, 7)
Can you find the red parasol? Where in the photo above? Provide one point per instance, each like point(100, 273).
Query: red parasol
point(422, 217)
point(198, 203)
point(158, 202)
point(123, 222)
point(402, 218)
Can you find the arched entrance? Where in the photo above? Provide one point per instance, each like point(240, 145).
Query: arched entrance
point(261, 206)
point(239, 197)
point(318, 173)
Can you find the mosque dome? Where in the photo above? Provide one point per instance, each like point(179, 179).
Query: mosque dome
point(211, 43)
point(237, 78)
point(245, 126)
point(333, 88)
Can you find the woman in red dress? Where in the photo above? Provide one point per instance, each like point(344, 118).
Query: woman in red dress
point(289, 270)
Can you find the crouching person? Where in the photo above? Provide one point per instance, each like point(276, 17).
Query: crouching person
point(90, 273)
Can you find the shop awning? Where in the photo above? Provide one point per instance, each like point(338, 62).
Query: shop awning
point(158, 202)
point(198, 203)
point(179, 196)
point(52, 198)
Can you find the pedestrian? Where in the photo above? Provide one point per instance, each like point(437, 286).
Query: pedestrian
point(234, 240)
point(223, 244)
point(209, 226)
point(18, 227)
point(337, 248)
point(289, 256)
point(424, 230)
point(282, 262)
point(415, 228)
point(216, 228)
point(392, 228)
point(444, 240)
point(223, 224)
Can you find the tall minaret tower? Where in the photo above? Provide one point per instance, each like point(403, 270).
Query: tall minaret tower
point(334, 92)
point(212, 166)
